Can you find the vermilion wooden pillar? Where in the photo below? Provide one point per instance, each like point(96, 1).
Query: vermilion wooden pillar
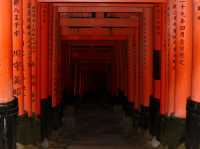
point(172, 51)
point(157, 55)
point(193, 105)
point(137, 73)
point(44, 61)
point(147, 56)
point(196, 53)
point(8, 105)
point(27, 56)
point(183, 56)
point(55, 60)
point(17, 36)
point(50, 47)
point(38, 62)
point(131, 74)
point(34, 54)
point(140, 63)
point(44, 51)
point(164, 84)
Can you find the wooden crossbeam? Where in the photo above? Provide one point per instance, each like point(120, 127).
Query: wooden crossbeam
point(99, 9)
point(97, 31)
point(105, 22)
point(108, 38)
point(140, 5)
point(102, 1)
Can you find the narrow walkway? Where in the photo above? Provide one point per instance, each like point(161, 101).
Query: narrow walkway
point(96, 126)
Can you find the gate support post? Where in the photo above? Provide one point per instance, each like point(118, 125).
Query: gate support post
point(8, 105)
point(193, 104)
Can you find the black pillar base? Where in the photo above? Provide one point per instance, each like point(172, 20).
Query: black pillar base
point(172, 131)
point(136, 118)
point(128, 108)
point(8, 115)
point(144, 117)
point(27, 126)
point(154, 113)
point(57, 117)
point(193, 125)
point(44, 118)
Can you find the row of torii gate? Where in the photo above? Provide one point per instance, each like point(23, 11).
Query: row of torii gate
point(163, 54)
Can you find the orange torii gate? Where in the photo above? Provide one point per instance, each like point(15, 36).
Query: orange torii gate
point(41, 61)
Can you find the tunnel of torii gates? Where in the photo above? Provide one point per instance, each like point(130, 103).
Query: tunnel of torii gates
point(147, 49)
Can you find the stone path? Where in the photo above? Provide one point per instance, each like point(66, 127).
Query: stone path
point(93, 126)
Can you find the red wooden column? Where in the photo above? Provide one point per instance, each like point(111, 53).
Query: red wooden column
point(196, 53)
point(8, 106)
point(6, 90)
point(172, 51)
point(54, 60)
point(50, 47)
point(38, 62)
point(193, 105)
point(140, 54)
point(183, 56)
point(164, 84)
point(34, 53)
point(131, 67)
point(157, 53)
point(137, 69)
point(27, 56)
point(17, 35)
point(44, 51)
point(147, 56)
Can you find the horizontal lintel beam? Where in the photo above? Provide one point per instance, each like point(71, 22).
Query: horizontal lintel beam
point(100, 9)
point(111, 38)
point(102, 1)
point(119, 22)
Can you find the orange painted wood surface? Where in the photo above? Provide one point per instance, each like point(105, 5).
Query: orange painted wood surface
point(104, 22)
point(55, 60)
point(119, 1)
point(38, 62)
point(27, 53)
point(34, 49)
point(44, 50)
point(17, 44)
point(164, 85)
point(50, 47)
point(147, 56)
point(172, 11)
point(6, 90)
point(183, 57)
point(157, 44)
point(196, 53)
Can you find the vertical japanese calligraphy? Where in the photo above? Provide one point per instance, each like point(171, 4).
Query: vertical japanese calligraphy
point(34, 52)
point(183, 56)
point(44, 50)
point(38, 63)
point(172, 23)
point(17, 37)
point(27, 52)
point(147, 55)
